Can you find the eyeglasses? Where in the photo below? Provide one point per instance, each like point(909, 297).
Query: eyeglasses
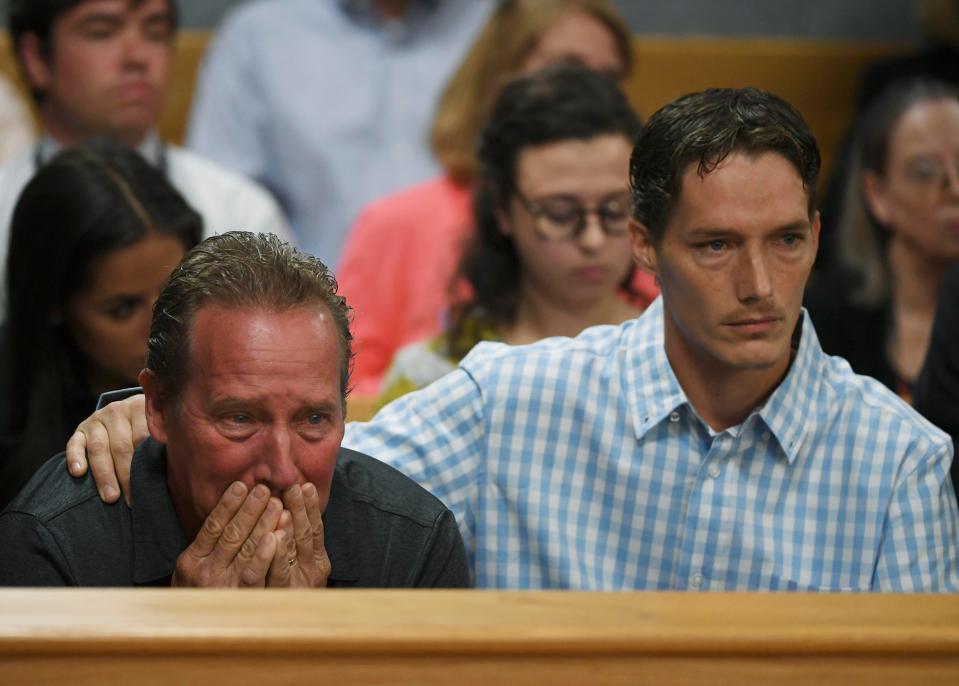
point(931, 172)
point(561, 218)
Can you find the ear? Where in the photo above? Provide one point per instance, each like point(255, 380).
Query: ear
point(874, 194)
point(644, 248)
point(155, 410)
point(35, 66)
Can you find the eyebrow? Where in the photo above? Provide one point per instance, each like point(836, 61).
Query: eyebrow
point(707, 233)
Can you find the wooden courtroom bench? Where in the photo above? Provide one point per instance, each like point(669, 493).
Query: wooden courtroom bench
point(159, 636)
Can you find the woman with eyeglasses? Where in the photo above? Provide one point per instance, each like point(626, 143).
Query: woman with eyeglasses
point(897, 237)
point(551, 252)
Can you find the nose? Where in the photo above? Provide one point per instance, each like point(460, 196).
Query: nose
point(753, 278)
point(951, 182)
point(592, 237)
point(279, 461)
point(135, 48)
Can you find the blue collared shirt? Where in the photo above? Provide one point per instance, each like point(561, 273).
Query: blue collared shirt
point(327, 104)
point(580, 463)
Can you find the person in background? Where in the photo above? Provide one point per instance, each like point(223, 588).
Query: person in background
point(428, 225)
point(94, 236)
point(937, 388)
point(327, 103)
point(898, 235)
point(102, 69)
point(550, 255)
point(16, 131)
point(709, 444)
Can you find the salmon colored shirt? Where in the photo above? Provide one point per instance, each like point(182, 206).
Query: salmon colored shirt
point(399, 260)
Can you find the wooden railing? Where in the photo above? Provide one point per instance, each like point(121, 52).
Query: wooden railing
point(81, 637)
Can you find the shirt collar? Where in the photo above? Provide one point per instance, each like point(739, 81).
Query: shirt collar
point(656, 392)
point(339, 530)
point(151, 149)
point(158, 538)
point(790, 411)
point(365, 10)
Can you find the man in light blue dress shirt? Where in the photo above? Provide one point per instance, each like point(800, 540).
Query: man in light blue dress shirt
point(328, 102)
point(709, 444)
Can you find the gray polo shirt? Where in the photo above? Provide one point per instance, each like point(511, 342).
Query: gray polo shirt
point(381, 530)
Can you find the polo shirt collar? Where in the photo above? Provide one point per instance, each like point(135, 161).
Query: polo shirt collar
point(158, 538)
point(339, 530)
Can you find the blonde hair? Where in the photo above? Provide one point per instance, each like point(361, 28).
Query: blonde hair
point(508, 38)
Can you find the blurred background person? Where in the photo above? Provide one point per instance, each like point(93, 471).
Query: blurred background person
point(327, 103)
point(94, 236)
point(937, 388)
point(897, 236)
point(102, 68)
point(403, 250)
point(551, 252)
point(936, 57)
point(16, 132)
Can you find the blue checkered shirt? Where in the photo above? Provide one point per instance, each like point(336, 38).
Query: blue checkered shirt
point(580, 463)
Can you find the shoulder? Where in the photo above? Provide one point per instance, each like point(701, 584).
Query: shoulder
point(597, 344)
point(190, 167)
point(14, 175)
point(421, 207)
point(374, 484)
point(861, 405)
point(52, 494)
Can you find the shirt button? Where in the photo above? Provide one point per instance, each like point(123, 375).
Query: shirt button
point(714, 470)
point(766, 435)
point(690, 482)
point(674, 417)
point(696, 581)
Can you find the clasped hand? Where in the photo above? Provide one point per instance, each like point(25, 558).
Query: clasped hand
point(251, 540)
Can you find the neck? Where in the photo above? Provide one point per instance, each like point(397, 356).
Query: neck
point(722, 395)
point(66, 134)
point(537, 316)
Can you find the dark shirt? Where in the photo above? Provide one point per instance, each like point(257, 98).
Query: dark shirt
point(937, 389)
point(850, 330)
point(381, 530)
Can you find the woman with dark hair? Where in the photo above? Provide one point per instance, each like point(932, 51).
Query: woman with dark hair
point(94, 235)
point(897, 237)
point(404, 248)
point(551, 252)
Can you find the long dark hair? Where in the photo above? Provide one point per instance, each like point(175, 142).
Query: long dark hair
point(564, 102)
point(85, 203)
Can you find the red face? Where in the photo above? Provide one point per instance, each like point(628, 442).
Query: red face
point(107, 72)
point(732, 264)
point(262, 404)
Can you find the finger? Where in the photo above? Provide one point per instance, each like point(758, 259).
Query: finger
point(311, 500)
point(264, 525)
point(254, 574)
point(216, 522)
point(77, 453)
point(281, 567)
point(97, 442)
point(239, 528)
point(302, 529)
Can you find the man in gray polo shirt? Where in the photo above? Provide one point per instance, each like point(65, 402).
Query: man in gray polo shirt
point(244, 482)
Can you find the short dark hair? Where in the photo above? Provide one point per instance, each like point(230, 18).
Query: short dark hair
point(560, 103)
point(704, 129)
point(239, 269)
point(87, 202)
point(37, 17)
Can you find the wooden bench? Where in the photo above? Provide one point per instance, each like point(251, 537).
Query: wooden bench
point(474, 637)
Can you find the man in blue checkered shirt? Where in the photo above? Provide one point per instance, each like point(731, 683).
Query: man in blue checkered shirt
point(709, 444)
